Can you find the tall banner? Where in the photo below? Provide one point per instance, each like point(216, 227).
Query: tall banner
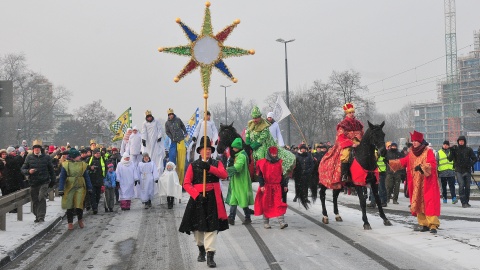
point(281, 110)
point(120, 126)
point(191, 125)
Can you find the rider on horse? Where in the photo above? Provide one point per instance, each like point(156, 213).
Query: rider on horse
point(349, 134)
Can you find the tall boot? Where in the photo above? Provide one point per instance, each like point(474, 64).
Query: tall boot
point(201, 254)
point(346, 175)
point(210, 262)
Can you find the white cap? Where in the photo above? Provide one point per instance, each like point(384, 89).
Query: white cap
point(125, 155)
point(270, 114)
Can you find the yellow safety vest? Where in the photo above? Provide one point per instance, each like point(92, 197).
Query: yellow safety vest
point(443, 163)
point(102, 163)
point(382, 167)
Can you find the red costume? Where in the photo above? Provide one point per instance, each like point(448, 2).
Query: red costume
point(269, 203)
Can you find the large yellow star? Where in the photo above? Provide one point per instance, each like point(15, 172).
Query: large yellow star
point(206, 50)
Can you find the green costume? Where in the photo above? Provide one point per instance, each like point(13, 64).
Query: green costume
point(258, 136)
point(75, 186)
point(240, 187)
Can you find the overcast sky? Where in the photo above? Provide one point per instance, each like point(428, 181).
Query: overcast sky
point(108, 49)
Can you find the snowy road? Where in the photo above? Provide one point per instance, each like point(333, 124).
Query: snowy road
point(149, 239)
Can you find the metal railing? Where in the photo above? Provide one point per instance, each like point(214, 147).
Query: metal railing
point(13, 201)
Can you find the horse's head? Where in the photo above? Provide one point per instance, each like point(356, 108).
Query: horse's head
point(377, 136)
point(227, 134)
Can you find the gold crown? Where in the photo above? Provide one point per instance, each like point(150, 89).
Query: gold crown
point(169, 111)
point(93, 141)
point(37, 142)
point(148, 112)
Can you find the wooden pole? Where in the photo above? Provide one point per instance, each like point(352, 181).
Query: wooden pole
point(205, 97)
point(301, 133)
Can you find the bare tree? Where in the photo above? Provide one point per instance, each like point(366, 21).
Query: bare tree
point(96, 118)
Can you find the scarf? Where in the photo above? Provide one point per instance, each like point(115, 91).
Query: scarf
point(419, 150)
point(126, 163)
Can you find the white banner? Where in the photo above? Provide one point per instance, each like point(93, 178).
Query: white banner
point(281, 110)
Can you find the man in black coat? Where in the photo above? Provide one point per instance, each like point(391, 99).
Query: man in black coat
point(393, 179)
point(96, 170)
point(302, 174)
point(39, 169)
point(463, 159)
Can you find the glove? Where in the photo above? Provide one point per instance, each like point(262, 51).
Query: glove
point(231, 171)
point(51, 184)
point(194, 139)
point(137, 182)
point(159, 140)
point(156, 181)
point(204, 165)
point(454, 148)
point(60, 193)
point(144, 143)
point(418, 168)
point(200, 198)
point(255, 145)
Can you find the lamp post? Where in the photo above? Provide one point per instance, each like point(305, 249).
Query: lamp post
point(286, 82)
point(225, 87)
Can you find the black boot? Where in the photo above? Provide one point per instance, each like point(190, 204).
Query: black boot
point(346, 175)
point(201, 254)
point(210, 262)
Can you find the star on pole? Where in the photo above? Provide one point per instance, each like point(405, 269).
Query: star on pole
point(206, 50)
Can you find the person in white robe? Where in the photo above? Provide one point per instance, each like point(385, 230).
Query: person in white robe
point(147, 179)
point(275, 130)
point(212, 133)
point(126, 172)
point(124, 146)
point(170, 185)
point(135, 146)
point(152, 140)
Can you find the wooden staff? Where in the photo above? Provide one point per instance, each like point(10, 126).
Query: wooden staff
point(301, 133)
point(205, 97)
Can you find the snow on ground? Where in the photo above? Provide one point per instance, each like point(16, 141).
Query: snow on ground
point(457, 241)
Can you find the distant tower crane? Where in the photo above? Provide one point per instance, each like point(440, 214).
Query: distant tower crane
point(451, 90)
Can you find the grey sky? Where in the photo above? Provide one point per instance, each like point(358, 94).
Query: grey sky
point(108, 49)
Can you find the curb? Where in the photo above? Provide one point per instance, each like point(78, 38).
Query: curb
point(11, 255)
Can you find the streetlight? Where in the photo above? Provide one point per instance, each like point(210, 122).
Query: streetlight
point(225, 87)
point(286, 81)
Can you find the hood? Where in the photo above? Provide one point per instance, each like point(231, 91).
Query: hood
point(462, 138)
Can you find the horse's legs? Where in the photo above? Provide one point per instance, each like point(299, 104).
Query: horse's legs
point(336, 192)
point(323, 190)
point(363, 205)
point(386, 222)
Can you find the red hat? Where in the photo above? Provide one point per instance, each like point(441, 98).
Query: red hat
point(416, 136)
point(63, 148)
point(114, 149)
point(348, 107)
point(273, 150)
point(51, 149)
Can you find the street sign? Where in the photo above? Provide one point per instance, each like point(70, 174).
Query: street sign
point(473, 134)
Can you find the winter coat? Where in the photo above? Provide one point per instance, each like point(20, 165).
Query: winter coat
point(12, 173)
point(462, 156)
point(44, 169)
point(175, 129)
point(97, 174)
point(391, 155)
point(110, 180)
point(304, 165)
point(269, 202)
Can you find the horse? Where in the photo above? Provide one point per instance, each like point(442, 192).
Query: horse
point(364, 172)
point(227, 134)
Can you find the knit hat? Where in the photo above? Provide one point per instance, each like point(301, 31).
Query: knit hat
point(10, 149)
point(145, 154)
point(110, 165)
point(73, 153)
point(256, 112)
point(348, 107)
point(270, 114)
point(96, 150)
point(114, 149)
point(446, 142)
point(302, 146)
point(83, 151)
point(21, 149)
point(51, 148)
point(416, 136)
point(394, 144)
point(237, 143)
point(273, 150)
point(3, 151)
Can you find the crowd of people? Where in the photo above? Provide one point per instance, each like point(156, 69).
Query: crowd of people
point(145, 167)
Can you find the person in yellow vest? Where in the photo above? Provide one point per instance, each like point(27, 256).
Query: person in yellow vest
point(446, 172)
point(382, 190)
point(97, 171)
